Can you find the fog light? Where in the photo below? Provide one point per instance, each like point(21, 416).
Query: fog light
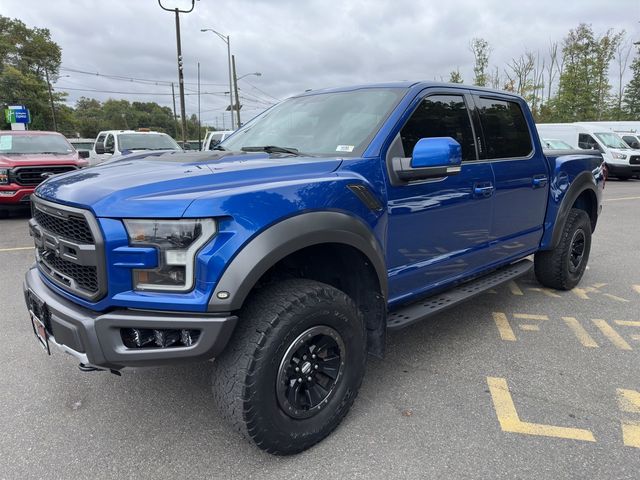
point(137, 337)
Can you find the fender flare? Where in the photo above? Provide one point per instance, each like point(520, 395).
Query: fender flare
point(286, 237)
point(584, 181)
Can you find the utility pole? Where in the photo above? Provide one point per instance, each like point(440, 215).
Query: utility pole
point(53, 110)
point(199, 124)
point(175, 117)
point(235, 87)
point(183, 113)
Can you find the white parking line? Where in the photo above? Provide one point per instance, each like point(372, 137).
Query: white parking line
point(15, 249)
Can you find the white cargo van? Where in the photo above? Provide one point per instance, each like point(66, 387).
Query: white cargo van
point(629, 131)
point(622, 161)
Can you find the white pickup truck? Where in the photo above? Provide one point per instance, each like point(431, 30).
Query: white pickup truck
point(109, 143)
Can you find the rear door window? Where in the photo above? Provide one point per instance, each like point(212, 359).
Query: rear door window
point(506, 133)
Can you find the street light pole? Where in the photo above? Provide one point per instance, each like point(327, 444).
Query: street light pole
point(226, 39)
point(183, 113)
point(235, 83)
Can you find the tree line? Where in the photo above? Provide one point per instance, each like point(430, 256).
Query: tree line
point(569, 82)
point(30, 62)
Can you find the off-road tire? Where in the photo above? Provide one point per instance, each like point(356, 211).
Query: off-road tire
point(245, 376)
point(554, 268)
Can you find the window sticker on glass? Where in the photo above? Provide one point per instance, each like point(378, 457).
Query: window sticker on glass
point(345, 148)
point(5, 142)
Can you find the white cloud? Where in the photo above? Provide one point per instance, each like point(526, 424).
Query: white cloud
point(298, 44)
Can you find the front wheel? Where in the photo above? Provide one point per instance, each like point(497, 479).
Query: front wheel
point(563, 267)
point(294, 366)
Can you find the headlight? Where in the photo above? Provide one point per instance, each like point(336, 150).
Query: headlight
point(4, 176)
point(619, 156)
point(177, 242)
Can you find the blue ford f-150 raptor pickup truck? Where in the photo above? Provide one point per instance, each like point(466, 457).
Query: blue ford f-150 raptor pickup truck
point(289, 251)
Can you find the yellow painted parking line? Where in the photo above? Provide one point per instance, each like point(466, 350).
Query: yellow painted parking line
point(631, 433)
point(505, 330)
point(530, 328)
point(514, 288)
point(636, 288)
point(527, 316)
point(16, 249)
point(584, 338)
point(614, 297)
point(581, 293)
point(629, 402)
point(599, 285)
point(620, 199)
point(627, 323)
point(510, 421)
point(635, 337)
point(547, 291)
point(608, 331)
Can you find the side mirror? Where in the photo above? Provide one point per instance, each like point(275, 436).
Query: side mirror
point(635, 145)
point(431, 158)
point(83, 153)
point(99, 148)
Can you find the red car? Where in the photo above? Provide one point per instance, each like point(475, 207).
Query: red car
point(27, 158)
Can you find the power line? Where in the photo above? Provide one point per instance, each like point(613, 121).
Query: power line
point(146, 81)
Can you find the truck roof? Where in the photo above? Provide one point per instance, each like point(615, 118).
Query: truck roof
point(417, 85)
point(29, 132)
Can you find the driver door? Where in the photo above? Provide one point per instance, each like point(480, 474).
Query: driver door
point(438, 228)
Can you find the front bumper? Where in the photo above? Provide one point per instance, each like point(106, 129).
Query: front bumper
point(625, 170)
point(95, 339)
point(15, 196)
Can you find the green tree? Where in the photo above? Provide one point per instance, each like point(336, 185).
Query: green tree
point(584, 88)
point(632, 90)
point(27, 56)
point(455, 76)
point(481, 51)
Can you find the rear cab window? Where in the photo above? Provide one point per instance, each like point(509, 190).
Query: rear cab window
point(505, 129)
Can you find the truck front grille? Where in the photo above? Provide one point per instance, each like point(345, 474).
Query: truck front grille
point(72, 227)
point(69, 248)
point(32, 176)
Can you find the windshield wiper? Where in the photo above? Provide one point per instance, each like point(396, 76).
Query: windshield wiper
point(53, 153)
point(272, 149)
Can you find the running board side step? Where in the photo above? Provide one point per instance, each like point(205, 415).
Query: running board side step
point(429, 306)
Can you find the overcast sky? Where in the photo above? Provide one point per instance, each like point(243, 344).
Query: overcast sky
point(296, 44)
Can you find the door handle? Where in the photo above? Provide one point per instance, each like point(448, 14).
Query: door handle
point(539, 181)
point(482, 190)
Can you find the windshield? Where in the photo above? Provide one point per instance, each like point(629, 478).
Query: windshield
point(146, 141)
point(34, 144)
point(556, 144)
point(611, 140)
point(326, 124)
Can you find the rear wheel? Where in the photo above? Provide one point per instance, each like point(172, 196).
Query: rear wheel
point(563, 267)
point(294, 366)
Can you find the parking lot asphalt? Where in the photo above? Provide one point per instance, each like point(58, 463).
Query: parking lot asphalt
point(520, 382)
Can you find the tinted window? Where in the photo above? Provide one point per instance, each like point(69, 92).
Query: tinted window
point(109, 144)
point(506, 133)
point(440, 116)
point(587, 141)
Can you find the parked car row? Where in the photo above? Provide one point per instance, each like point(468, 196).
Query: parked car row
point(618, 142)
